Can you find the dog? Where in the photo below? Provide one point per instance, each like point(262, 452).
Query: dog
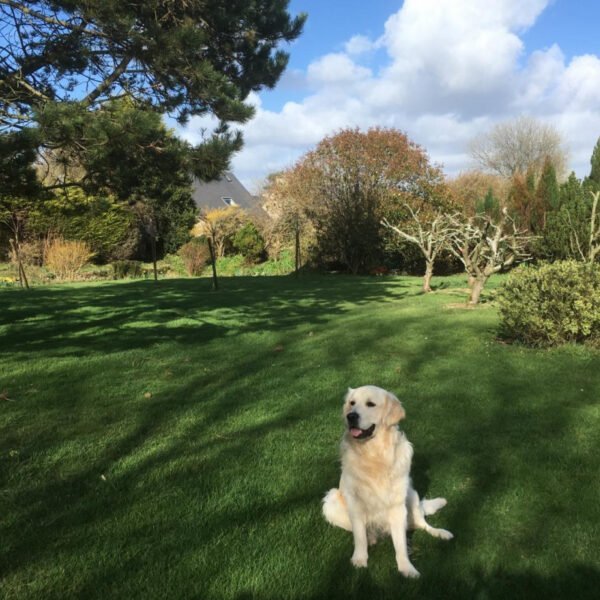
point(376, 496)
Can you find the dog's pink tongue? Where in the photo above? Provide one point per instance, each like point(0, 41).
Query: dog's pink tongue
point(355, 432)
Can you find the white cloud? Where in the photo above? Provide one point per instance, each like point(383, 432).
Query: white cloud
point(335, 69)
point(359, 44)
point(452, 69)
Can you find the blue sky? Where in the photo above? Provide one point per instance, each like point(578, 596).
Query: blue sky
point(444, 71)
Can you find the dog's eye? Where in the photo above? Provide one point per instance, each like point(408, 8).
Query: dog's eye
point(370, 404)
point(352, 403)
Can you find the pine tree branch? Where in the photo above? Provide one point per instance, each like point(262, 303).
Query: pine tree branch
point(108, 81)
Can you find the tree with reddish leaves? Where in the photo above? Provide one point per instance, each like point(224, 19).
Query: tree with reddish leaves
point(352, 180)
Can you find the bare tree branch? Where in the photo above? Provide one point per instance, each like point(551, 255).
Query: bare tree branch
point(485, 247)
point(431, 236)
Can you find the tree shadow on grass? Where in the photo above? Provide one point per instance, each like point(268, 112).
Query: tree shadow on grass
point(124, 316)
point(573, 580)
point(184, 462)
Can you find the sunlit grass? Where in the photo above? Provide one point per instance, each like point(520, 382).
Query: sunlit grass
point(166, 441)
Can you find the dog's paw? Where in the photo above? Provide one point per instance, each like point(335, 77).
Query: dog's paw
point(359, 561)
point(444, 534)
point(431, 506)
point(408, 570)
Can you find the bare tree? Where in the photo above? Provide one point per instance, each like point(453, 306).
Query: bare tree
point(430, 235)
point(486, 247)
point(516, 146)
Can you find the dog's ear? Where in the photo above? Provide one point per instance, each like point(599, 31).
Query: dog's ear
point(348, 394)
point(395, 412)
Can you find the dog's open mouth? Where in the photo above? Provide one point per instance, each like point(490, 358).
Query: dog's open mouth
point(361, 434)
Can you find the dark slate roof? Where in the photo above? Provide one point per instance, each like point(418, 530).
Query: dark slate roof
point(216, 194)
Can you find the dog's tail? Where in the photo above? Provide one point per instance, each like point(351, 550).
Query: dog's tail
point(335, 510)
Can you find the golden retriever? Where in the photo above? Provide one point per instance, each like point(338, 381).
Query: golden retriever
point(376, 496)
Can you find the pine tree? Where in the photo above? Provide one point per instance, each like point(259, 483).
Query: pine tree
point(593, 181)
point(489, 206)
point(547, 196)
point(66, 59)
point(567, 229)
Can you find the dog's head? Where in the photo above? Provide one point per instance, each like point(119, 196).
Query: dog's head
point(369, 409)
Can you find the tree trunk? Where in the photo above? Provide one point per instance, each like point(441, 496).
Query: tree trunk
point(297, 253)
point(471, 281)
point(21, 270)
point(153, 246)
point(213, 260)
point(427, 277)
point(23, 276)
point(476, 289)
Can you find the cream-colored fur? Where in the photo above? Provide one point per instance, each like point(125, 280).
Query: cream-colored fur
point(376, 496)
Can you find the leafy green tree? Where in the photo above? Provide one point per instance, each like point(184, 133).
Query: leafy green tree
point(547, 191)
point(107, 225)
point(17, 173)
point(567, 229)
point(593, 180)
point(63, 60)
point(249, 242)
point(490, 205)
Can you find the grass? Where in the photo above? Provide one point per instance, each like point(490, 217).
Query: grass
point(166, 441)
point(171, 266)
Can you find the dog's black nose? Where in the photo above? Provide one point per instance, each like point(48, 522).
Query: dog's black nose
point(352, 418)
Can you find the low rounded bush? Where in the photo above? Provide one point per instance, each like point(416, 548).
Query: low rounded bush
point(249, 243)
point(552, 304)
point(195, 255)
point(127, 268)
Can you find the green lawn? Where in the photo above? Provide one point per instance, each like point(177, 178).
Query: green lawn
point(166, 441)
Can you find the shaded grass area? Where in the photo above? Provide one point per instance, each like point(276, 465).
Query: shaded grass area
point(166, 441)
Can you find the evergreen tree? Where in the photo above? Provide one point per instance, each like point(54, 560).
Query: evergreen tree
point(547, 197)
point(593, 181)
point(567, 229)
point(489, 206)
point(64, 60)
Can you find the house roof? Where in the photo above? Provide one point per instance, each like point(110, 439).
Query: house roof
point(226, 191)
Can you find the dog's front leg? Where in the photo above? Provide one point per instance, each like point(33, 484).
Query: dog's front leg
point(359, 531)
point(397, 518)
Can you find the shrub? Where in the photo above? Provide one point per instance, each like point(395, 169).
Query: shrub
point(552, 304)
point(195, 255)
point(31, 253)
point(249, 243)
point(221, 224)
point(127, 268)
point(106, 224)
point(65, 258)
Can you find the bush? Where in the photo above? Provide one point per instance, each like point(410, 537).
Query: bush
point(127, 268)
point(31, 253)
point(195, 255)
point(249, 243)
point(65, 258)
point(552, 304)
point(106, 224)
